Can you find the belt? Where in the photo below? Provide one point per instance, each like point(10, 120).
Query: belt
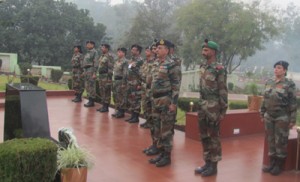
point(87, 66)
point(118, 78)
point(103, 72)
point(157, 95)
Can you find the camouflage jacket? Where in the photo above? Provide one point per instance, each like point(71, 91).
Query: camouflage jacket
point(90, 59)
point(213, 90)
point(280, 99)
point(106, 65)
point(146, 73)
point(165, 79)
point(120, 69)
point(133, 74)
point(77, 60)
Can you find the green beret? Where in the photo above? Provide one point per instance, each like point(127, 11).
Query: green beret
point(210, 44)
point(164, 42)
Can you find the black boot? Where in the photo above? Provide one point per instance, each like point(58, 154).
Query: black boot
point(132, 114)
point(277, 169)
point(269, 168)
point(200, 170)
point(75, 97)
point(78, 98)
point(104, 108)
point(165, 160)
point(120, 113)
point(90, 103)
point(212, 169)
point(135, 118)
point(156, 159)
point(153, 150)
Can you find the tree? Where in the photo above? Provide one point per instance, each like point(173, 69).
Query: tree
point(240, 29)
point(154, 20)
point(44, 32)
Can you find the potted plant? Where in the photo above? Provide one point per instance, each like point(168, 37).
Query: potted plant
point(254, 101)
point(73, 162)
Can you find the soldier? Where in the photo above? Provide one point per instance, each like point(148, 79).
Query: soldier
point(213, 106)
point(119, 84)
point(77, 70)
point(134, 83)
point(105, 71)
point(90, 67)
point(165, 91)
point(278, 112)
point(146, 72)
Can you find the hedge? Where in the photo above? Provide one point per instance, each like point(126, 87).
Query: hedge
point(56, 75)
point(184, 104)
point(30, 79)
point(28, 160)
point(238, 104)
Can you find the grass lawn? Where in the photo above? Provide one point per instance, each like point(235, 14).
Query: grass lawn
point(42, 84)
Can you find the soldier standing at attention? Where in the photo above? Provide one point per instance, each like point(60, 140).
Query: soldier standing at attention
point(119, 84)
point(105, 71)
point(165, 91)
point(213, 106)
point(278, 112)
point(90, 67)
point(146, 72)
point(77, 70)
point(134, 83)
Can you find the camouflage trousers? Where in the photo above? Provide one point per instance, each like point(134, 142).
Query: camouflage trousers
point(277, 133)
point(90, 83)
point(210, 137)
point(119, 95)
point(163, 123)
point(147, 105)
point(105, 84)
point(77, 81)
point(134, 98)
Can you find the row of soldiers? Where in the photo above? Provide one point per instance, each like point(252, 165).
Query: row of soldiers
point(152, 83)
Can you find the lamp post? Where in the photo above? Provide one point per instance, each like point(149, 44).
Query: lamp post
point(191, 106)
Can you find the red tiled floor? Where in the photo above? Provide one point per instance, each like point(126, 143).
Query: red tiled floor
point(117, 147)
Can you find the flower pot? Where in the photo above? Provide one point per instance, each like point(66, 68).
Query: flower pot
point(254, 103)
point(74, 174)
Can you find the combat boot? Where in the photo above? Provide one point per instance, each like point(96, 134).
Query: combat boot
point(277, 169)
point(116, 112)
point(200, 170)
point(90, 103)
point(156, 159)
point(269, 168)
point(135, 118)
point(211, 170)
point(120, 113)
point(152, 151)
point(104, 108)
point(132, 114)
point(74, 97)
point(78, 98)
point(165, 160)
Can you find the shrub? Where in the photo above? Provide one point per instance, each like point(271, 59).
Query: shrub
point(298, 102)
point(56, 75)
point(70, 83)
point(238, 105)
point(184, 103)
point(230, 86)
point(24, 67)
point(252, 89)
point(27, 160)
point(34, 80)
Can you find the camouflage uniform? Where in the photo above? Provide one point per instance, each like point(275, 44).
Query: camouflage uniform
point(90, 67)
point(105, 71)
point(119, 93)
point(146, 75)
point(77, 70)
point(133, 82)
point(213, 105)
point(279, 109)
point(165, 91)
